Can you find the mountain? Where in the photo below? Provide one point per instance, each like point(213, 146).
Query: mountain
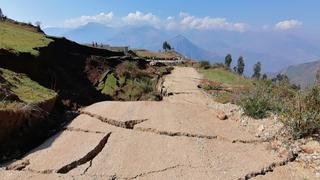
point(302, 74)
point(184, 46)
point(91, 32)
point(146, 37)
point(275, 50)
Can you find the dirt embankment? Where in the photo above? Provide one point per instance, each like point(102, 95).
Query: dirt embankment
point(61, 67)
point(70, 69)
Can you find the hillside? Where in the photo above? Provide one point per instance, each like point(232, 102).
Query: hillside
point(36, 68)
point(18, 37)
point(17, 90)
point(302, 74)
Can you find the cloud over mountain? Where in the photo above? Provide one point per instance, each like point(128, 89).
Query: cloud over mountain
point(208, 23)
point(102, 18)
point(288, 24)
point(141, 18)
point(183, 21)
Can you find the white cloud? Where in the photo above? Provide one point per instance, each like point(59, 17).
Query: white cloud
point(183, 21)
point(102, 18)
point(208, 23)
point(288, 24)
point(141, 18)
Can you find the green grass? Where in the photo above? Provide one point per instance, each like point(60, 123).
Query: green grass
point(110, 85)
point(27, 90)
point(225, 77)
point(21, 39)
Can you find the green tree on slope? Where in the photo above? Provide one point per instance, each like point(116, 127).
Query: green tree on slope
point(228, 61)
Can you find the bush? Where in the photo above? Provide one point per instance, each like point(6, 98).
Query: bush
point(256, 107)
point(205, 64)
point(256, 102)
point(302, 114)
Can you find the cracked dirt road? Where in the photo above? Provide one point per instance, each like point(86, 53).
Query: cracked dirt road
point(178, 138)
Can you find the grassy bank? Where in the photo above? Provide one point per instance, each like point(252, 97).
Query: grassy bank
point(19, 38)
point(18, 89)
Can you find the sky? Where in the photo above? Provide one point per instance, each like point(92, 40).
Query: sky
point(230, 15)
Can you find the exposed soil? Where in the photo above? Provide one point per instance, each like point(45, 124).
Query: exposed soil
point(70, 69)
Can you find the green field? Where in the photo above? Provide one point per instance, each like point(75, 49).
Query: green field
point(21, 39)
point(225, 77)
point(27, 90)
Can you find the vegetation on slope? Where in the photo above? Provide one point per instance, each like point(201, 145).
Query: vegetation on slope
point(143, 53)
point(259, 97)
point(223, 84)
point(21, 38)
point(130, 82)
point(17, 89)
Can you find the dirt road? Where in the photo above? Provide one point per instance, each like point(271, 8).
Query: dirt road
point(178, 138)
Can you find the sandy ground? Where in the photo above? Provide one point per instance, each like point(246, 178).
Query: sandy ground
point(178, 138)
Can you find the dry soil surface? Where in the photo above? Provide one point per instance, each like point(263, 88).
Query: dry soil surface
point(177, 138)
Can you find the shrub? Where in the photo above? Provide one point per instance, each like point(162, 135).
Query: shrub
point(129, 69)
point(256, 107)
point(302, 114)
point(205, 64)
point(257, 102)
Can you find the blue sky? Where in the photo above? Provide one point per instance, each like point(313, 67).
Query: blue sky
point(254, 13)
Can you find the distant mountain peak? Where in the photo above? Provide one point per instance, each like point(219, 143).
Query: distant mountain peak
point(186, 47)
point(180, 37)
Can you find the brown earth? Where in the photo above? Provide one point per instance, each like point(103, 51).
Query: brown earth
point(178, 138)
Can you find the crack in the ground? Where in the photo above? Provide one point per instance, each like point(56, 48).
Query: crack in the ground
point(86, 170)
point(47, 171)
point(82, 130)
point(290, 158)
point(18, 166)
point(158, 171)
point(253, 141)
point(129, 124)
point(153, 172)
point(178, 93)
point(167, 133)
point(88, 157)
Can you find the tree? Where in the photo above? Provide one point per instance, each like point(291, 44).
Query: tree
point(281, 78)
point(264, 77)
point(166, 46)
point(228, 61)
point(38, 24)
point(257, 71)
point(1, 14)
point(240, 66)
point(235, 69)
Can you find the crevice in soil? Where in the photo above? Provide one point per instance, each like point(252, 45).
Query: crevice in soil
point(159, 171)
point(167, 133)
point(82, 130)
point(18, 166)
point(177, 93)
point(290, 158)
point(153, 172)
point(129, 124)
point(254, 141)
point(88, 157)
point(86, 170)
